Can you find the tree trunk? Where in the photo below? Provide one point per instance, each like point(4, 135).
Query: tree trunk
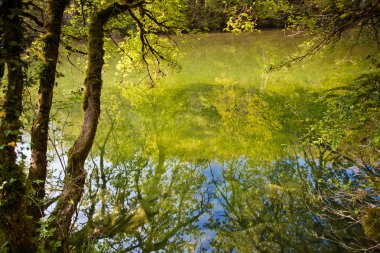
point(39, 133)
point(76, 174)
point(13, 218)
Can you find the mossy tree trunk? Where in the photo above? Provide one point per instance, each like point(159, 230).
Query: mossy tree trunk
point(39, 133)
point(75, 172)
point(13, 216)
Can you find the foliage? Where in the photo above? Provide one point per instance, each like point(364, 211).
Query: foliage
point(349, 126)
point(322, 22)
point(347, 137)
point(152, 176)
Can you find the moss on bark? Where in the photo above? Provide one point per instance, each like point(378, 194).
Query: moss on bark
point(75, 177)
point(39, 132)
point(14, 223)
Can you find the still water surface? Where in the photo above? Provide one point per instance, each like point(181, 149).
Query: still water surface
point(215, 158)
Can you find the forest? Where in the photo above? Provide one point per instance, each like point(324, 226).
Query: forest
point(189, 126)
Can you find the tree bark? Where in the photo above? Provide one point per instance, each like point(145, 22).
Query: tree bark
point(40, 129)
point(75, 175)
point(13, 202)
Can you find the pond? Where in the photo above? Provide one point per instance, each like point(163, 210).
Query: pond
point(225, 156)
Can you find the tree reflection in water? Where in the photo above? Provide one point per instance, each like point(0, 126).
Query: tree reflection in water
point(232, 169)
point(291, 205)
